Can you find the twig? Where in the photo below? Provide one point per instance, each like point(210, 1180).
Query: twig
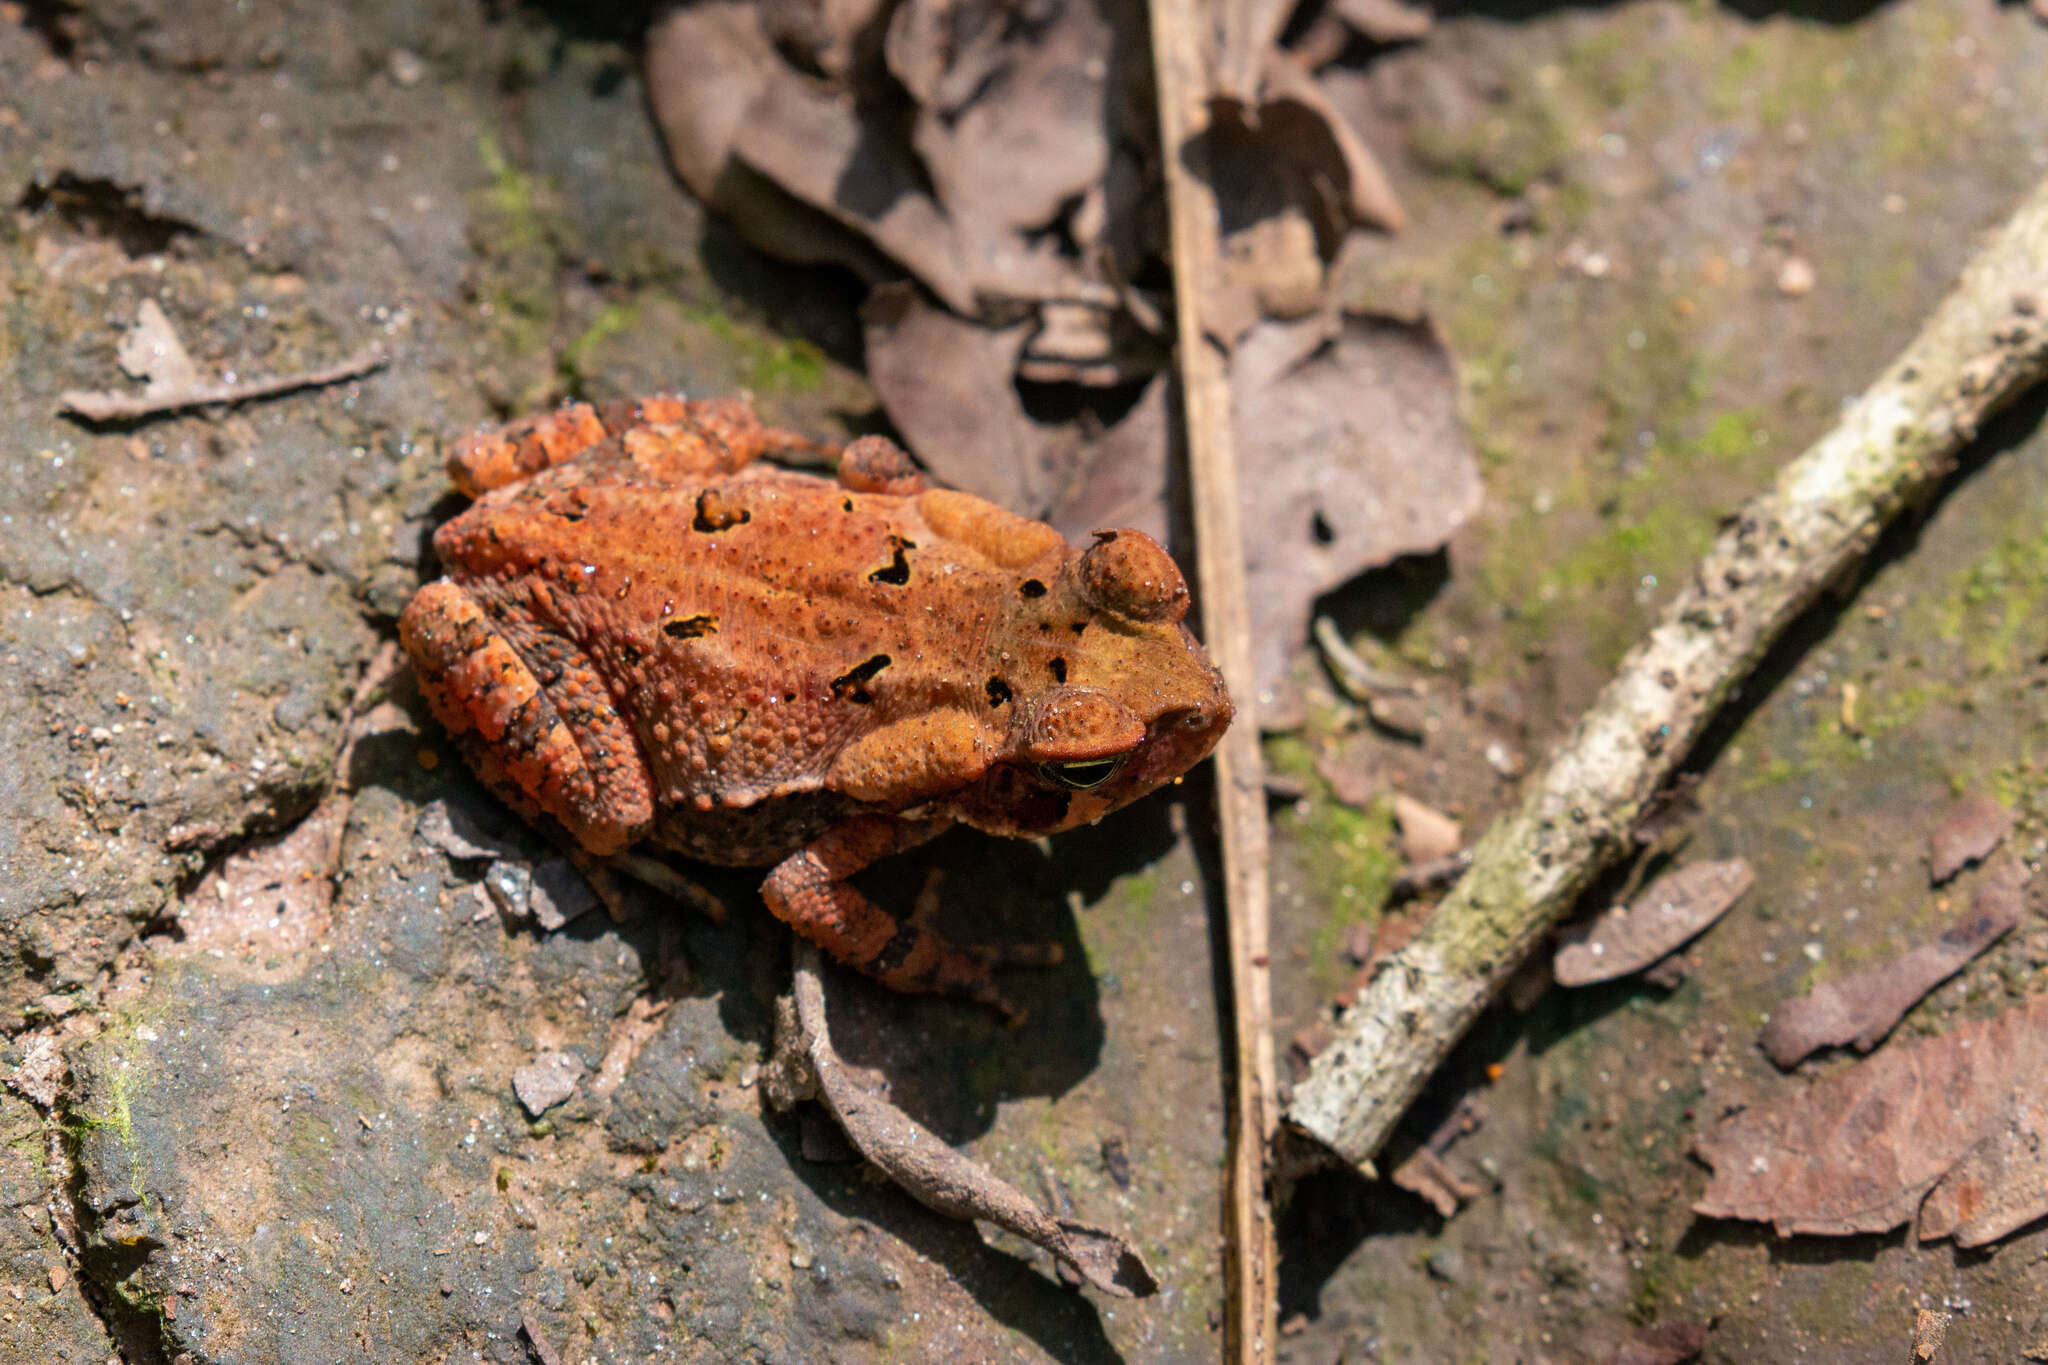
point(911, 1155)
point(1986, 343)
point(1178, 54)
point(102, 405)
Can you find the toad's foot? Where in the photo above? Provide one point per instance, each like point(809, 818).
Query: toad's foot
point(808, 890)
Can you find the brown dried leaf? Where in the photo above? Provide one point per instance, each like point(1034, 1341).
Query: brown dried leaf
point(1358, 185)
point(1289, 184)
point(1863, 1006)
point(40, 1074)
point(707, 65)
point(941, 1178)
point(1012, 125)
point(809, 143)
point(1972, 828)
point(1427, 834)
point(1352, 455)
point(1859, 1151)
point(947, 385)
point(1672, 909)
point(1426, 1174)
point(825, 34)
point(1119, 477)
point(731, 110)
point(2000, 1187)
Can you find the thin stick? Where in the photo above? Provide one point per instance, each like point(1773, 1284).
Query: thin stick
point(102, 405)
point(1251, 1284)
point(1986, 343)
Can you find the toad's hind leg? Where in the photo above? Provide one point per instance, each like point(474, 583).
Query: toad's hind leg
point(543, 734)
point(668, 438)
point(808, 890)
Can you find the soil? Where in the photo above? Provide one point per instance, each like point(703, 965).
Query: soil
point(300, 1139)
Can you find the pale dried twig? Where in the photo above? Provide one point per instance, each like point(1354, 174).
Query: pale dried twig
point(150, 350)
point(1178, 52)
point(913, 1156)
point(100, 405)
point(1891, 449)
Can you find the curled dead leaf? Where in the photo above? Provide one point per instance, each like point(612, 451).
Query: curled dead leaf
point(1676, 907)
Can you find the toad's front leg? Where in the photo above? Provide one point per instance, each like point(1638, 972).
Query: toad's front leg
point(808, 890)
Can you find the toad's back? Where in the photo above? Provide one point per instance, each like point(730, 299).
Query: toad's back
point(752, 627)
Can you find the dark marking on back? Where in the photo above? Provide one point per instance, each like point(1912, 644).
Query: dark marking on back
point(690, 627)
point(1059, 668)
point(715, 513)
point(852, 684)
point(897, 572)
point(998, 691)
point(1031, 587)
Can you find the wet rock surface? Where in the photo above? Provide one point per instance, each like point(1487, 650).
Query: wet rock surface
point(290, 1129)
point(293, 1014)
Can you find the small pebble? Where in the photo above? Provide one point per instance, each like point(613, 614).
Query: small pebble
point(1796, 277)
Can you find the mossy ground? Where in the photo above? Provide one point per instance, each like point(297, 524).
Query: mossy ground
point(1606, 203)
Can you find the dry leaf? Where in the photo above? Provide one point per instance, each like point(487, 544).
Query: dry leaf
point(1119, 478)
point(1012, 124)
point(40, 1073)
point(824, 34)
point(1672, 909)
point(1355, 184)
point(1352, 456)
point(1859, 1151)
point(1428, 1175)
point(1427, 834)
point(1862, 1007)
point(947, 385)
point(1972, 828)
point(733, 114)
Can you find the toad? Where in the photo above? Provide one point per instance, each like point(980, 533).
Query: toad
point(648, 633)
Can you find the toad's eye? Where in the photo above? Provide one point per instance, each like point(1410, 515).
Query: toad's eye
point(1084, 773)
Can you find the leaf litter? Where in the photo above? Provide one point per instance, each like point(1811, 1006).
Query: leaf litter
point(991, 171)
point(1953, 1127)
point(1861, 1008)
point(1973, 827)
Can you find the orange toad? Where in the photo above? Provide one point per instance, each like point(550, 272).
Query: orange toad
point(646, 633)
